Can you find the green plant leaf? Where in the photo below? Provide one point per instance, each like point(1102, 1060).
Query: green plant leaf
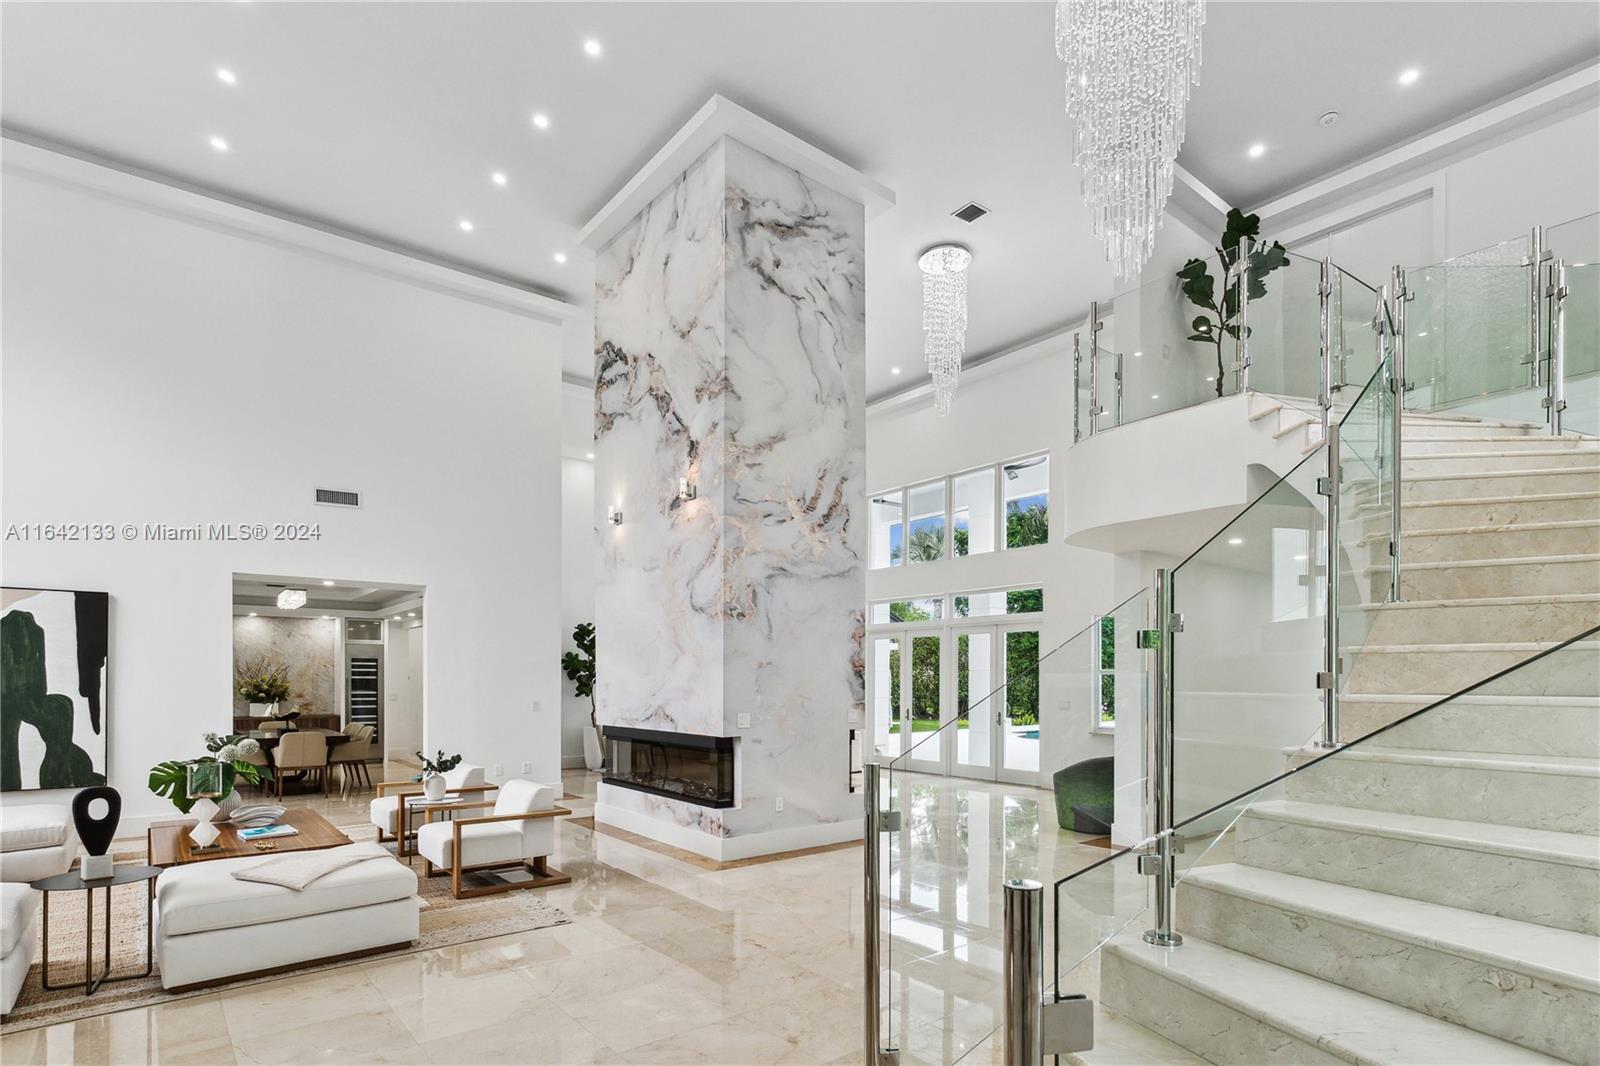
point(170, 780)
point(1237, 227)
point(1199, 288)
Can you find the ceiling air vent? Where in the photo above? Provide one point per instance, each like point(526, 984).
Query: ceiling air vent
point(971, 213)
point(339, 497)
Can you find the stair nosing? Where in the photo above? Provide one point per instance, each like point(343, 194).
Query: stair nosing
point(1471, 699)
point(1487, 761)
point(1476, 601)
point(1337, 1001)
point(1447, 921)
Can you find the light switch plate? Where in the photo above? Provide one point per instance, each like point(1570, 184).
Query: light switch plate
point(527, 767)
point(498, 770)
point(780, 804)
point(744, 721)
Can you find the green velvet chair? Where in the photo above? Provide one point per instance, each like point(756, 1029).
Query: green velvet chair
point(1083, 796)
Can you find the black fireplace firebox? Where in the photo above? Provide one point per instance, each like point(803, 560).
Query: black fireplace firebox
point(684, 766)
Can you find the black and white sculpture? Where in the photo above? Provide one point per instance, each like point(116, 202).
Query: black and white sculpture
point(95, 834)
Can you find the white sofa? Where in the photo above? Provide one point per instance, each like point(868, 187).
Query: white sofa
point(19, 910)
point(36, 841)
point(210, 926)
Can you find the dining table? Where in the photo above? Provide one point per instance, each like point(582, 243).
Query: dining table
point(270, 739)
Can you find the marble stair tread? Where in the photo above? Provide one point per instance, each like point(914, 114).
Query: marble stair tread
point(1428, 699)
point(1557, 955)
point(1474, 601)
point(1119, 1041)
point(1490, 762)
point(1344, 1023)
point(1516, 527)
point(1543, 845)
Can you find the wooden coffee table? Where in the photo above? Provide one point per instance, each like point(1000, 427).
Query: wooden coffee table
point(169, 845)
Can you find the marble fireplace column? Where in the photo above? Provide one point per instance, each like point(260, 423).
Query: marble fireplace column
point(730, 328)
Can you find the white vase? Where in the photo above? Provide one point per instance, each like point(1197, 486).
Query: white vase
point(433, 786)
point(226, 805)
point(593, 756)
point(263, 710)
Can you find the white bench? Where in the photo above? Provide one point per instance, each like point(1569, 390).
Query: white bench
point(210, 926)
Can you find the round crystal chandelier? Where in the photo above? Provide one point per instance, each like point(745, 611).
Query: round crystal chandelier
point(1130, 64)
point(944, 317)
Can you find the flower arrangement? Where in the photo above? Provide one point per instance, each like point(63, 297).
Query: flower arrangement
point(261, 680)
point(440, 764)
point(170, 779)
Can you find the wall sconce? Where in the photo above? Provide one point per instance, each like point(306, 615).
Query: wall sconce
point(613, 515)
point(686, 491)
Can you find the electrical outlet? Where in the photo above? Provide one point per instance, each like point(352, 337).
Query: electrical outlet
point(537, 706)
point(498, 771)
point(780, 804)
point(744, 721)
point(527, 767)
point(855, 718)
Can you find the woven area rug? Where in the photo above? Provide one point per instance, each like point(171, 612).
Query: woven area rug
point(444, 921)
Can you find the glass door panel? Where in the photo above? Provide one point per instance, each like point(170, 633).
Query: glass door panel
point(888, 739)
point(975, 680)
point(1019, 711)
point(925, 706)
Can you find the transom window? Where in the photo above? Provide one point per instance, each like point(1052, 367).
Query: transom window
point(991, 603)
point(1006, 505)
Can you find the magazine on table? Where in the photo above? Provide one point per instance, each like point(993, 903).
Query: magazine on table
point(265, 831)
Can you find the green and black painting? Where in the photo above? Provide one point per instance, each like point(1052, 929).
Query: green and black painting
point(53, 711)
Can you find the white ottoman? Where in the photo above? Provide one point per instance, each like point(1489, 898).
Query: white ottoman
point(36, 841)
point(19, 909)
point(211, 926)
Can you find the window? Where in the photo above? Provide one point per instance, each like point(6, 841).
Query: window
point(886, 548)
point(972, 511)
point(363, 629)
point(1027, 498)
point(1106, 670)
point(1000, 602)
point(926, 522)
point(929, 609)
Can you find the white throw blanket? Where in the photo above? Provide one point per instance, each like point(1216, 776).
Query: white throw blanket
point(301, 868)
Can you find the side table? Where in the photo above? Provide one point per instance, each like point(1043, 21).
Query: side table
point(71, 882)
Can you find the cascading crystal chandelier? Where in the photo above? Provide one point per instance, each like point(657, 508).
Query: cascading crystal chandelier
point(944, 317)
point(1130, 64)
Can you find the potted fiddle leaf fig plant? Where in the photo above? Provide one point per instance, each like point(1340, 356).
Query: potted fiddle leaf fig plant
point(579, 668)
point(1222, 316)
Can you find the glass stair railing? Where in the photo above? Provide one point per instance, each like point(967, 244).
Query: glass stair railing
point(1425, 893)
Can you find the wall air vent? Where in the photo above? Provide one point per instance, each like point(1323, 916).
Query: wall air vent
point(339, 498)
point(971, 213)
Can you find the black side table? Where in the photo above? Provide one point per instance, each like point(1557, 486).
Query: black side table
point(71, 882)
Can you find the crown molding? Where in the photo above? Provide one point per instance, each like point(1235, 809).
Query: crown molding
point(718, 118)
point(23, 155)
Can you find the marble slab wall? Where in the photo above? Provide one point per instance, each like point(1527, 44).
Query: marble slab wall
point(730, 351)
point(307, 646)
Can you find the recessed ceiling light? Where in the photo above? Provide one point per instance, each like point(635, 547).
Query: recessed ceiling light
point(1137, 354)
point(253, 614)
point(397, 618)
point(226, 76)
point(1257, 150)
point(411, 614)
point(1409, 76)
point(1424, 333)
point(894, 370)
point(218, 144)
point(1299, 558)
point(588, 455)
point(560, 257)
point(466, 225)
point(327, 582)
point(1236, 541)
point(591, 47)
point(327, 618)
point(498, 178)
point(541, 120)
point(1155, 396)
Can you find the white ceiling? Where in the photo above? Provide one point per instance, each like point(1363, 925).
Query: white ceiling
point(261, 591)
point(388, 119)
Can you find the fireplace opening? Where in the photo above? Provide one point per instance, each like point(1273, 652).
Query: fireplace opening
point(685, 766)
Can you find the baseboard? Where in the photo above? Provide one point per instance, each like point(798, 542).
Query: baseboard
point(572, 762)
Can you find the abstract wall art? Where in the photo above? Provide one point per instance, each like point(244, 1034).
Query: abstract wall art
point(53, 711)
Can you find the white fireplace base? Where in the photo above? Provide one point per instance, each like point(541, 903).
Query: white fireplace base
point(721, 848)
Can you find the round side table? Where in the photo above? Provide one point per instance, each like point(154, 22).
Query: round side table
point(71, 882)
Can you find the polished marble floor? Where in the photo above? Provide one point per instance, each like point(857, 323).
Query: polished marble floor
point(663, 962)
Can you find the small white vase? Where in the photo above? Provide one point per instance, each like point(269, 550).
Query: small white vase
point(593, 756)
point(433, 786)
point(263, 710)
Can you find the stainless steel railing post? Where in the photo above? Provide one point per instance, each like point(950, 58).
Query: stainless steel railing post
point(1160, 778)
point(1556, 391)
point(1022, 963)
point(1535, 265)
point(871, 845)
point(1094, 368)
point(1396, 295)
point(1328, 679)
point(1077, 376)
point(1242, 279)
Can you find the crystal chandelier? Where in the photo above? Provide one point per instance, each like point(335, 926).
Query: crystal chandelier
point(944, 317)
point(1130, 64)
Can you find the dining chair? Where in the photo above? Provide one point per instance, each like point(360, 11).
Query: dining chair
point(352, 755)
point(302, 751)
point(262, 759)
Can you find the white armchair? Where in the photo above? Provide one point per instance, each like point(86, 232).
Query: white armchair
point(520, 832)
point(466, 779)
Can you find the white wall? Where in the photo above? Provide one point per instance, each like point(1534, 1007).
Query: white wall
point(167, 359)
point(577, 590)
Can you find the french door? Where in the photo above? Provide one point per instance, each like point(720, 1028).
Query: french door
point(997, 696)
point(910, 697)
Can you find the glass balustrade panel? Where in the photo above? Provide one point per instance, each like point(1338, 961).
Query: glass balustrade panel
point(1284, 319)
point(1577, 245)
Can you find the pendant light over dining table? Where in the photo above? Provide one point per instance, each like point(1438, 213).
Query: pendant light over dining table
point(1130, 66)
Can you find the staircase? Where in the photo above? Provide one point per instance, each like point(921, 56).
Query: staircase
point(1433, 896)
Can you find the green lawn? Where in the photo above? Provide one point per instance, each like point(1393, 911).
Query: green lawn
point(924, 725)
